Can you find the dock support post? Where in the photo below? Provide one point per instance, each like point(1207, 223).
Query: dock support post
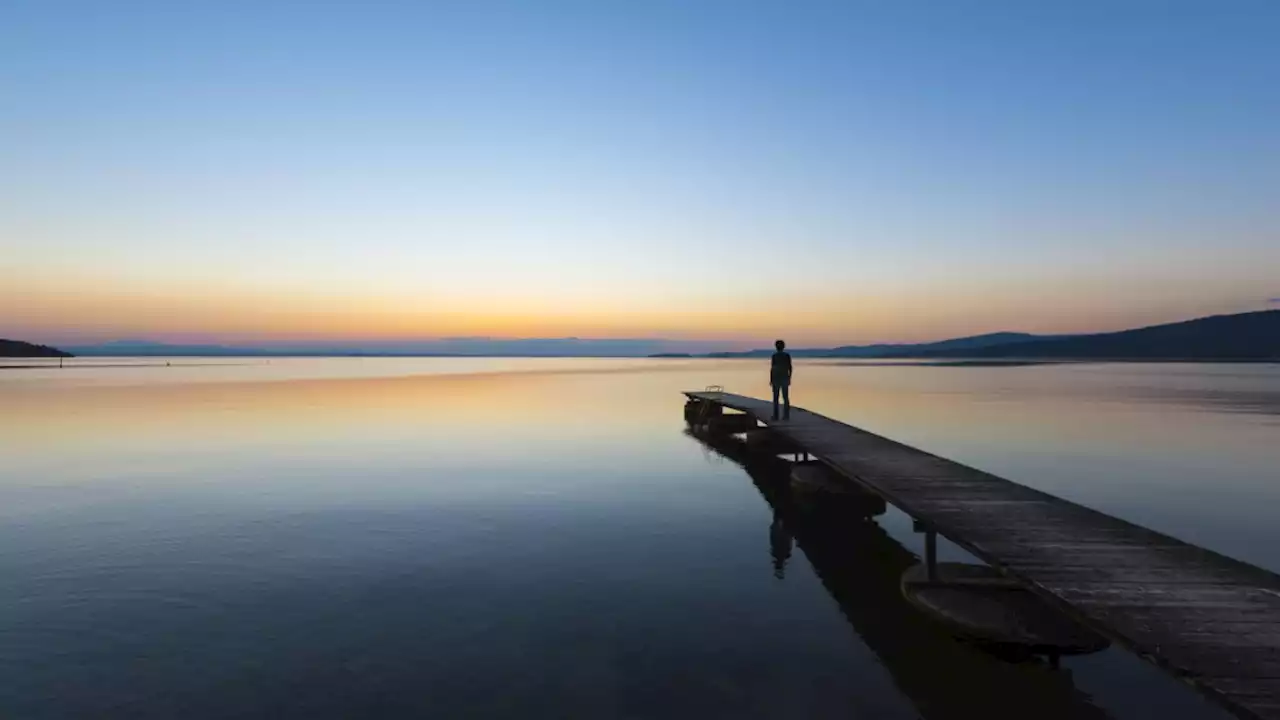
point(931, 554)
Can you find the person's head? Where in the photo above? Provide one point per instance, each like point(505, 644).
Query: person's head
point(780, 345)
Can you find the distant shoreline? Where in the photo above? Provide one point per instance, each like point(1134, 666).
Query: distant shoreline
point(1241, 337)
point(188, 361)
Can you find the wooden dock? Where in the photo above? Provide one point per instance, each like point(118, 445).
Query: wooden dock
point(1208, 619)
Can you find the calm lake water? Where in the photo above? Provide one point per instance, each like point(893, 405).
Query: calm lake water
point(539, 538)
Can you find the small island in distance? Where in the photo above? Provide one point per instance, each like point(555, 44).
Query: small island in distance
point(19, 349)
point(1242, 337)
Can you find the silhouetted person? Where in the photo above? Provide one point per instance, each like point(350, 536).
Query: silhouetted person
point(780, 379)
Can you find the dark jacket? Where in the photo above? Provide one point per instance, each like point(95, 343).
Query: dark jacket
point(780, 369)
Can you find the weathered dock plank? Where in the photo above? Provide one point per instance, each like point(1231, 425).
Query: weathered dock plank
point(1210, 620)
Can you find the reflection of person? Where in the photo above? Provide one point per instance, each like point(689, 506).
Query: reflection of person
point(780, 379)
point(779, 545)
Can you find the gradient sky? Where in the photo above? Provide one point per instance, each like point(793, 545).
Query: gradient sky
point(827, 172)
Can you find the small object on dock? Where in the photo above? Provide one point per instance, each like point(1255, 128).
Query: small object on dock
point(698, 412)
point(979, 605)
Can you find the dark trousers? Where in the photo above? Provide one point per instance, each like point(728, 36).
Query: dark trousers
point(786, 400)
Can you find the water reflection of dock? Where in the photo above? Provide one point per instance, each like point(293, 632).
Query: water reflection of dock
point(1209, 620)
point(860, 565)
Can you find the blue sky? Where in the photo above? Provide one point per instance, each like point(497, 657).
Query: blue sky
point(843, 171)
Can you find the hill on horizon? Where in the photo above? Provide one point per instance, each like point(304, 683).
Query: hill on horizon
point(18, 348)
point(1247, 336)
point(890, 350)
point(1243, 336)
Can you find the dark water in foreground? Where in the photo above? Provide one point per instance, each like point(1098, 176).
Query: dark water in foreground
point(541, 538)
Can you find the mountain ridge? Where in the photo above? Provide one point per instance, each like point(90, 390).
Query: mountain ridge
point(890, 350)
point(1250, 336)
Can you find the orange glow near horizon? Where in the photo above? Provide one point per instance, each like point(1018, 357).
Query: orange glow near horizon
point(98, 311)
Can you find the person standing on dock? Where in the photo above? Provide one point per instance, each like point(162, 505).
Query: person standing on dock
point(780, 379)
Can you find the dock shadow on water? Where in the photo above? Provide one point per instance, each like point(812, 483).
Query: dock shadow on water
point(860, 565)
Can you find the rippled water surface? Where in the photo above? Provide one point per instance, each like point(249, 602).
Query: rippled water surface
point(326, 538)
